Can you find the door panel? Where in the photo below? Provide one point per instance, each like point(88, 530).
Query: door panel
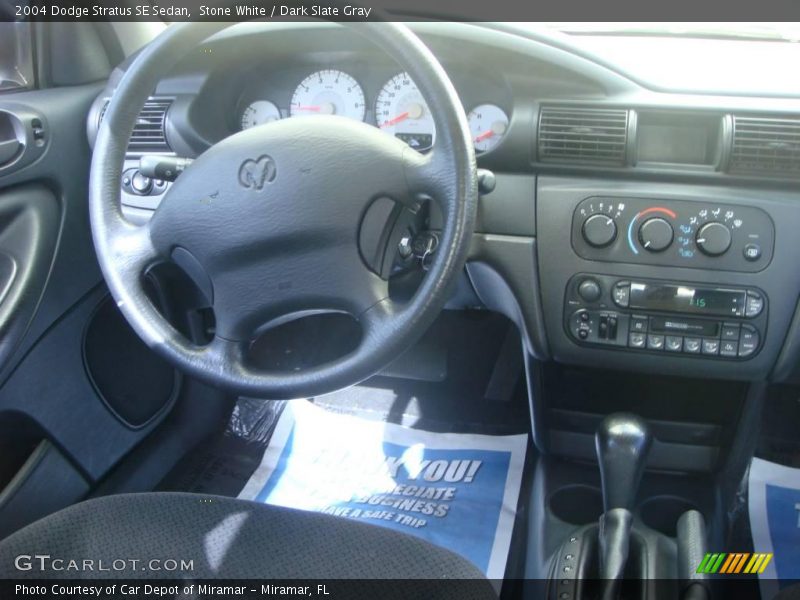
point(52, 190)
point(55, 429)
point(29, 223)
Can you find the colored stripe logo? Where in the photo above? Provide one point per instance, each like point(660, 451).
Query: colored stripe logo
point(734, 563)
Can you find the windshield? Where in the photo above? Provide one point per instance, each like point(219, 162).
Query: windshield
point(787, 32)
point(16, 66)
point(713, 58)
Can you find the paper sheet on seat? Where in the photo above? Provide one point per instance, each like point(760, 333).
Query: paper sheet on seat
point(774, 505)
point(459, 491)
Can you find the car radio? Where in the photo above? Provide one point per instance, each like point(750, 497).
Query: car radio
point(671, 317)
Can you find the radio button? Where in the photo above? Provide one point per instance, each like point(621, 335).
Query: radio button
point(589, 290)
point(612, 328)
point(637, 340)
point(639, 324)
point(748, 342)
point(754, 305)
point(691, 345)
point(621, 294)
point(655, 342)
point(710, 346)
point(730, 332)
point(728, 348)
point(673, 343)
point(602, 329)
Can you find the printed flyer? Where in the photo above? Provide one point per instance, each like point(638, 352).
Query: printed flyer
point(458, 491)
point(774, 502)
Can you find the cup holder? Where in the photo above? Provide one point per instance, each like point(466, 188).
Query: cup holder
point(662, 513)
point(577, 504)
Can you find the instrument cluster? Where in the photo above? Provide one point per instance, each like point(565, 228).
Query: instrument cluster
point(396, 107)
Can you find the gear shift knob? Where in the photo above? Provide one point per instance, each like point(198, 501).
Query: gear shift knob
point(622, 442)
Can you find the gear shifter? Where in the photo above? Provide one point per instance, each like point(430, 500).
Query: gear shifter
point(622, 442)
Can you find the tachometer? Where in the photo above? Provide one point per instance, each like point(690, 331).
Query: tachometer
point(488, 124)
point(401, 111)
point(329, 92)
point(259, 112)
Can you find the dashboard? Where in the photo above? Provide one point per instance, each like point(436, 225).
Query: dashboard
point(629, 228)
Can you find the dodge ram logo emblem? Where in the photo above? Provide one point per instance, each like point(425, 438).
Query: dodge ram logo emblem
point(253, 174)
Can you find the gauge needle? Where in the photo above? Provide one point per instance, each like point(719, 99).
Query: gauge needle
point(396, 120)
point(326, 109)
point(484, 136)
point(414, 111)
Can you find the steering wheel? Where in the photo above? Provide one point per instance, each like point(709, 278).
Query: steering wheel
point(271, 218)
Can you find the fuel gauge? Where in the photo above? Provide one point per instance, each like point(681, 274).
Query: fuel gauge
point(488, 124)
point(259, 112)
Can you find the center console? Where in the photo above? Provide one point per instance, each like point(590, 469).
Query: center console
point(680, 317)
point(667, 278)
point(605, 543)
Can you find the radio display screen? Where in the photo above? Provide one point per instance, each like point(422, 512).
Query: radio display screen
point(686, 299)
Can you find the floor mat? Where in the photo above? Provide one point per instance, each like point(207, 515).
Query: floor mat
point(223, 462)
point(774, 505)
point(459, 491)
point(465, 348)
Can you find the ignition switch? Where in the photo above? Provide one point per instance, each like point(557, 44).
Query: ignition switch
point(423, 246)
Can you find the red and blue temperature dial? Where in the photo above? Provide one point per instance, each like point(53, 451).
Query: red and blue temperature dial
point(655, 230)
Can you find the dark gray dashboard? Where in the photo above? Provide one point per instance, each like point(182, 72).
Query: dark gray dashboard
point(634, 146)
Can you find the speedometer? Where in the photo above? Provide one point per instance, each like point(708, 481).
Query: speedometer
point(329, 92)
point(401, 111)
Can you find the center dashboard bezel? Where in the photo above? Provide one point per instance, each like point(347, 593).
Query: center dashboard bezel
point(558, 197)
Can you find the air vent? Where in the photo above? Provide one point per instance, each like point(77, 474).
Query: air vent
point(149, 132)
point(583, 135)
point(766, 146)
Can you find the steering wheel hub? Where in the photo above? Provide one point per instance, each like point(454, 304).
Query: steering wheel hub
point(272, 214)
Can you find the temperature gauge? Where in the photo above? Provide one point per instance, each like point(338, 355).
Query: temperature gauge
point(258, 113)
point(488, 124)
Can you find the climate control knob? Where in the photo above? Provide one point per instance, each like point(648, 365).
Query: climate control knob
point(655, 235)
point(599, 230)
point(714, 238)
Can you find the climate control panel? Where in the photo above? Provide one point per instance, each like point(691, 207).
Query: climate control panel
point(676, 233)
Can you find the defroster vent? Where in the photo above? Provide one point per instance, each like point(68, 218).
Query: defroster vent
point(583, 135)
